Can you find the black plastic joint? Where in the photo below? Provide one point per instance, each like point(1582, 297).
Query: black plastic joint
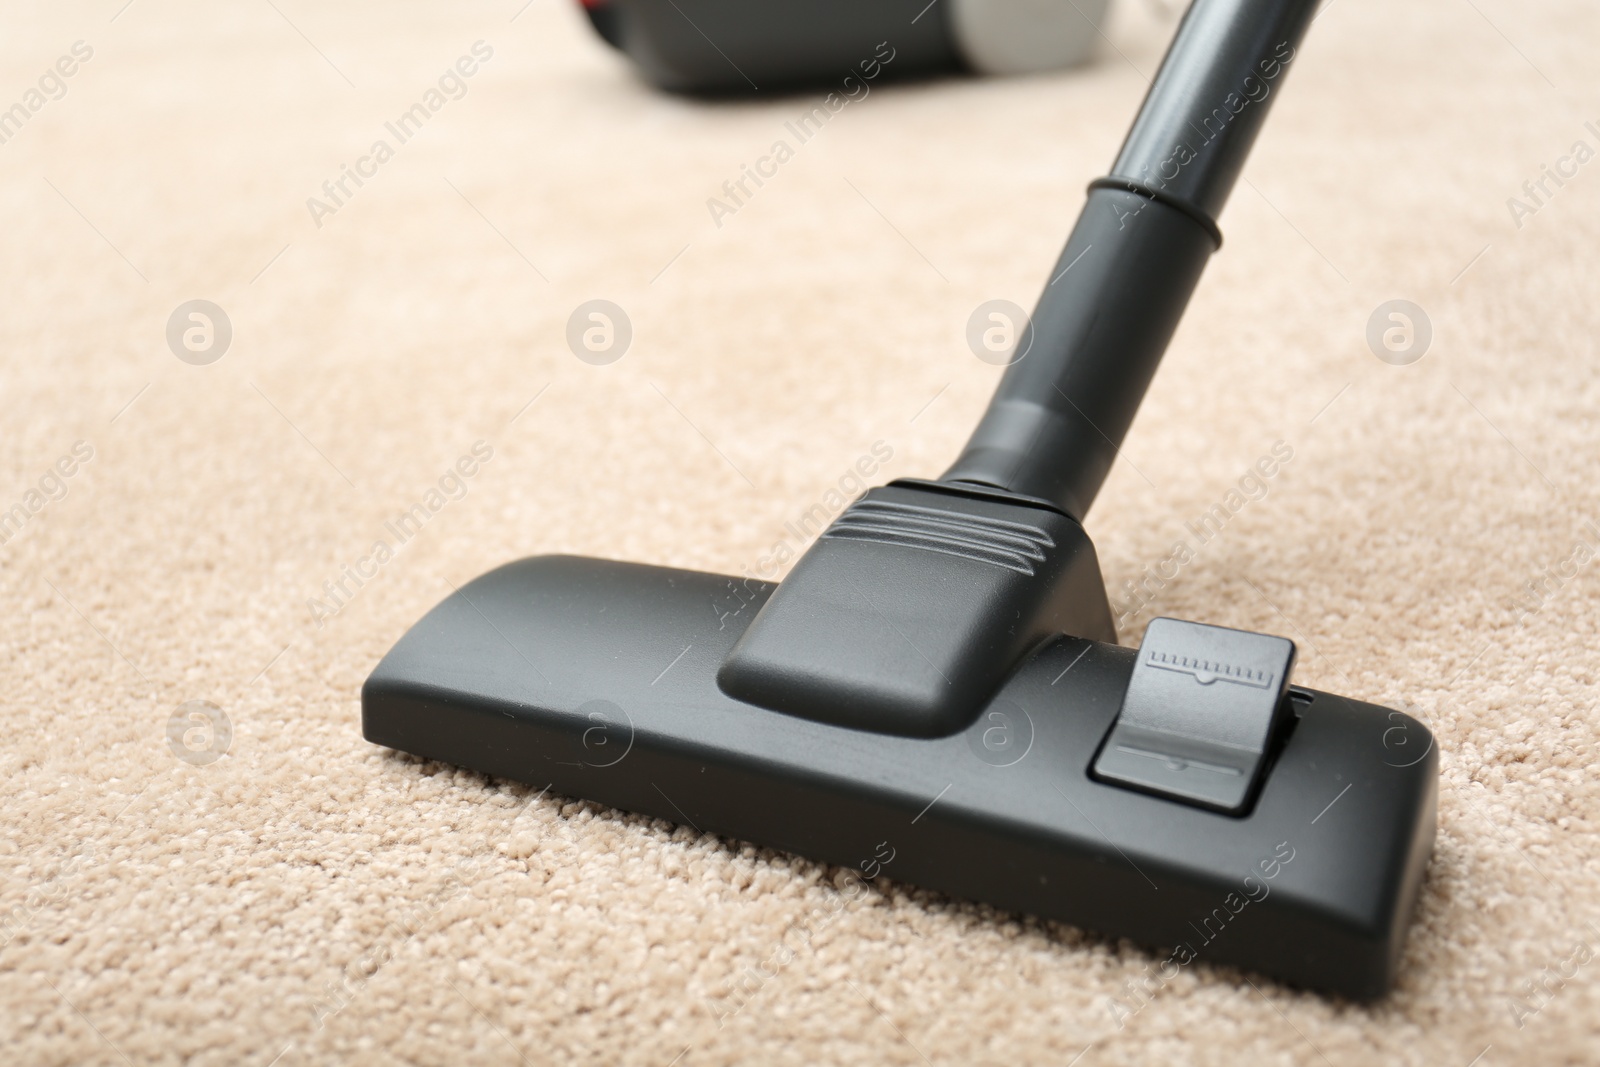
point(1150, 192)
point(910, 610)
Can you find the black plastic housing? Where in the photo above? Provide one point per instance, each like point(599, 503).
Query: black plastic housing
point(720, 47)
point(908, 611)
point(598, 679)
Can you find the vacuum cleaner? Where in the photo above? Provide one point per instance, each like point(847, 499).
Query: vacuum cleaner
point(938, 679)
point(718, 47)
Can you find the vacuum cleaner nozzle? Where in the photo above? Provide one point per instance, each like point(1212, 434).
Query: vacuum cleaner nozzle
point(598, 679)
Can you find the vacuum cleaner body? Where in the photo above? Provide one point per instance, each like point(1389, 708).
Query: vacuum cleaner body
point(733, 47)
point(935, 693)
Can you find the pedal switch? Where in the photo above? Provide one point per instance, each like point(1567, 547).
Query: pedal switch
point(1200, 714)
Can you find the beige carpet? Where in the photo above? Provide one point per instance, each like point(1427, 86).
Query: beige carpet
point(310, 898)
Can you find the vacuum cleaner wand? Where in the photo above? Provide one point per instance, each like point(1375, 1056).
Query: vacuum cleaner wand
point(937, 680)
point(1117, 293)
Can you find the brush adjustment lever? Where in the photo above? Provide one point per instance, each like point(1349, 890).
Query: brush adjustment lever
point(1201, 714)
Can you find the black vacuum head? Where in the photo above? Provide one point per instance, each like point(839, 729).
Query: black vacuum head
point(599, 680)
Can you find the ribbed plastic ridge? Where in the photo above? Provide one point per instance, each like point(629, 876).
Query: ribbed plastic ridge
point(1016, 546)
point(1206, 671)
